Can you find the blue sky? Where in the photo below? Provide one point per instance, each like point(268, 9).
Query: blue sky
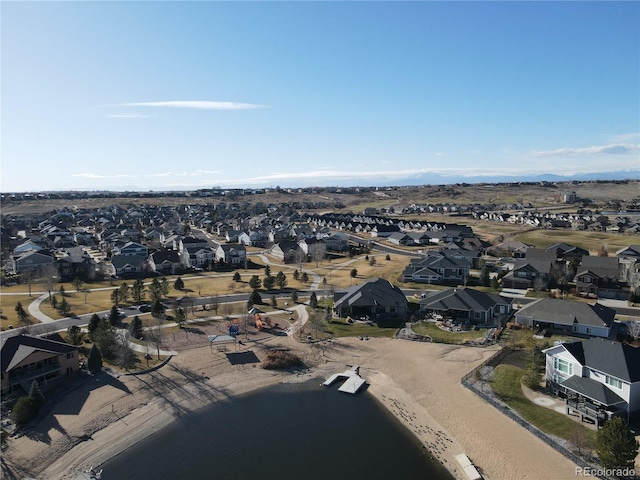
point(180, 95)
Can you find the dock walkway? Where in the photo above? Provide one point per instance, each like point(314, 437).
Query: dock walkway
point(353, 381)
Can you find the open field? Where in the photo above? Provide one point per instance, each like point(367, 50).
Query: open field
point(540, 195)
point(590, 241)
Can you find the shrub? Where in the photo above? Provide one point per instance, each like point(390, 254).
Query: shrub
point(278, 360)
point(25, 410)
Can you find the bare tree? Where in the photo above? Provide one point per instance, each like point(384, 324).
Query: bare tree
point(215, 304)
point(48, 278)
point(154, 335)
point(299, 256)
point(633, 328)
point(318, 253)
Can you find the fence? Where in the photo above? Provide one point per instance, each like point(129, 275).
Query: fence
point(476, 386)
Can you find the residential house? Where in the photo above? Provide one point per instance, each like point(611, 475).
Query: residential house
point(632, 251)
point(165, 262)
point(337, 242)
point(376, 299)
point(437, 268)
point(132, 249)
point(26, 358)
point(600, 277)
point(31, 260)
point(534, 271)
point(569, 317)
point(233, 254)
point(286, 251)
point(197, 255)
point(128, 265)
point(384, 231)
point(598, 379)
point(567, 253)
point(467, 305)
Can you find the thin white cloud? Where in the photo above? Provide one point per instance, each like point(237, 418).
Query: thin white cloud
point(196, 104)
point(128, 115)
point(613, 149)
point(625, 137)
point(96, 175)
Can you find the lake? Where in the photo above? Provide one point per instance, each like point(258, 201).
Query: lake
point(285, 431)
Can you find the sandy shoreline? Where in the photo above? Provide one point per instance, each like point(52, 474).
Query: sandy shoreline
point(419, 383)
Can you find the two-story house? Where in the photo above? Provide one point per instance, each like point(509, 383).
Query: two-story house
point(233, 254)
point(25, 358)
point(599, 277)
point(598, 379)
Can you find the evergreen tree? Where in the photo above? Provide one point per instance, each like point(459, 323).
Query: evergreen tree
point(353, 273)
point(165, 287)
point(267, 271)
point(296, 275)
point(54, 302)
point(64, 307)
point(313, 300)
point(94, 360)
point(158, 309)
point(180, 317)
point(304, 278)
point(24, 410)
point(75, 335)
point(281, 280)
point(137, 291)
point(236, 277)
point(135, 329)
point(155, 290)
point(615, 445)
point(21, 312)
point(269, 282)
point(255, 298)
point(178, 284)
point(93, 325)
point(255, 282)
point(294, 296)
point(62, 292)
point(114, 316)
point(274, 300)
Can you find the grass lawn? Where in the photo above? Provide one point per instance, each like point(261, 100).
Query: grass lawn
point(338, 272)
point(442, 336)
point(338, 327)
point(506, 385)
point(8, 305)
point(590, 241)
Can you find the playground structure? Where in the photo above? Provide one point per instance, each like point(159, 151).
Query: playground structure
point(265, 322)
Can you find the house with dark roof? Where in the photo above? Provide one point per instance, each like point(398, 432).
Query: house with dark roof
point(599, 277)
point(567, 253)
point(568, 317)
point(466, 304)
point(598, 379)
point(165, 262)
point(377, 299)
point(534, 271)
point(25, 358)
point(437, 267)
point(233, 254)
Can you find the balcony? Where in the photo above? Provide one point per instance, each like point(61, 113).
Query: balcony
point(33, 373)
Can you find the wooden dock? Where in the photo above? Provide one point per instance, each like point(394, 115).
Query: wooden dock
point(353, 381)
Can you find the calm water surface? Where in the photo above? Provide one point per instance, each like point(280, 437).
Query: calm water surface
point(287, 431)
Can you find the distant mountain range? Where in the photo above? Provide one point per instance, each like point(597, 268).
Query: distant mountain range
point(438, 179)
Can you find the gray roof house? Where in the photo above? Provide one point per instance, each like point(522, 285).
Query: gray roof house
point(377, 299)
point(568, 317)
point(599, 379)
point(467, 304)
point(25, 358)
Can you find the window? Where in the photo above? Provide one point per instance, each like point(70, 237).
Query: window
point(70, 355)
point(477, 315)
point(563, 365)
point(614, 382)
